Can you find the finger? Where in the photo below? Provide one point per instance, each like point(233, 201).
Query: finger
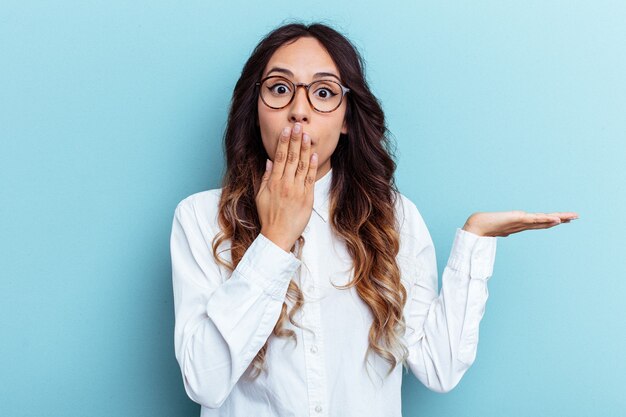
point(554, 218)
point(546, 225)
point(293, 154)
point(266, 174)
point(539, 218)
point(543, 224)
point(309, 182)
point(303, 164)
point(567, 215)
point(280, 156)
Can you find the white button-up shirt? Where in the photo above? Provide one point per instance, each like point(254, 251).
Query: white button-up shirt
point(224, 318)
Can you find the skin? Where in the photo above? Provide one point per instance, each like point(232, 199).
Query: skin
point(504, 223)
point(304, 57)
point(299, 158)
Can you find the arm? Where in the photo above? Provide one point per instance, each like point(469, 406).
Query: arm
point(442, 329)
point(220, 326)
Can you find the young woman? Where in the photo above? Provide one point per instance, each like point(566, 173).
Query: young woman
point(309, 241)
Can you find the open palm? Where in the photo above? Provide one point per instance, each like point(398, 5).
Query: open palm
point(503, 223)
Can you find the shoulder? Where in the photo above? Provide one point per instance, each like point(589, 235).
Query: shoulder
point(413, 230)
point(202, 199)
point(201, 207)
point(407, 213)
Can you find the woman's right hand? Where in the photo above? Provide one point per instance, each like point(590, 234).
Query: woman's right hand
point(285, 198)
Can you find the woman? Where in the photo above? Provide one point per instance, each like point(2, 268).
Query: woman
point(309, 241)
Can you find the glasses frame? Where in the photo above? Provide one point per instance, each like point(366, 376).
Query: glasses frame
point(344, 91)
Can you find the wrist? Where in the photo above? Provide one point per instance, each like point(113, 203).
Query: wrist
point(468, 227)
point(277, 240)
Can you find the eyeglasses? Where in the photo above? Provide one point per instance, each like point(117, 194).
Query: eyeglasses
point(324, 96)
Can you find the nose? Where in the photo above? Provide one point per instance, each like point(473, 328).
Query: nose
point(300, 108)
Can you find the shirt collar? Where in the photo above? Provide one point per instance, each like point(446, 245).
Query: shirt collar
point(322, 194)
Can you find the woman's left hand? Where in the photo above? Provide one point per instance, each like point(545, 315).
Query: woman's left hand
point(503, 223)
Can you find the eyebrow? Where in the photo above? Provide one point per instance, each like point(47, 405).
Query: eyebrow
point(316, 75)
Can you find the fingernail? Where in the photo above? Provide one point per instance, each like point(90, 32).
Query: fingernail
point(305, 138)
point(296, 128)
point(267, 164)
point(314, 157)
point(286, 131)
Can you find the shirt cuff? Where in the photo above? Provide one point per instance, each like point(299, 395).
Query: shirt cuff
point(473, 254)
point(269, 266)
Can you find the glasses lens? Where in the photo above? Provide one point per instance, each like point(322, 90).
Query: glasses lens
point(276, 92)
point(325, 95)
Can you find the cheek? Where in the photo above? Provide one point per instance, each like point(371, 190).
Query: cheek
point(326, 147)
point(270, 147)
point(268, 144)
point(266, 127)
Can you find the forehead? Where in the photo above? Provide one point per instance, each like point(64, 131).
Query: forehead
point(304, 57)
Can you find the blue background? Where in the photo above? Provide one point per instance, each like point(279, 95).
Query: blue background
point(111, 112)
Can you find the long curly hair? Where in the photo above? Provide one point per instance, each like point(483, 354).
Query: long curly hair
point(362, 197)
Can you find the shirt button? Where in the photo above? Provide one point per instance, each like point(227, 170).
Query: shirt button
point(313, 349)
point(318, 408)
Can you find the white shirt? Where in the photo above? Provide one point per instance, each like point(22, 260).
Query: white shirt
point(223, 319)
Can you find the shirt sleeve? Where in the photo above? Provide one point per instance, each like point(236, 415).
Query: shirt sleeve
point(221, 326)
point(442, 329)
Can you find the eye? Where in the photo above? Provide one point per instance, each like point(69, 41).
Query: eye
point(326, 90)
point(279, 88)
point(325, 93)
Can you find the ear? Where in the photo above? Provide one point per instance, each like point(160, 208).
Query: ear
point(344, 128)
